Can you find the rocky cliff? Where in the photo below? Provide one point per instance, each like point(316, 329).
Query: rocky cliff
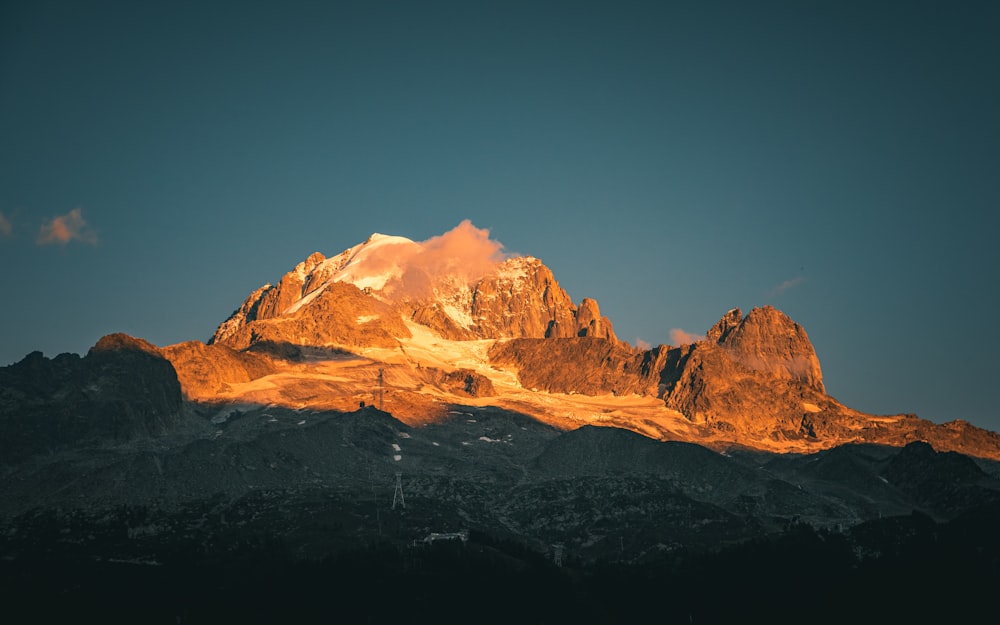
point(766, 340)
point(340, 315)
point(206, 370)
point(581, 365)
point(519, 299)
point(755, 375)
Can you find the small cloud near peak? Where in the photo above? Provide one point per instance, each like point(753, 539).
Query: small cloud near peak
point(786, 285)
point(642, 345)
point(680, 337)
point(465, 253)
point(65, 228)
point(5, 226)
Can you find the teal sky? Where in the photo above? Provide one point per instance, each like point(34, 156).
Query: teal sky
point(838, 160)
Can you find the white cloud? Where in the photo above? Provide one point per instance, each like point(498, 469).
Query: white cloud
point(464, 253)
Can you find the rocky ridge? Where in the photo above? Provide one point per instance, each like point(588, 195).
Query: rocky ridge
point(754, 381)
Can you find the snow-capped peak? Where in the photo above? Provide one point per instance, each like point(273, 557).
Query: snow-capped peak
point(460, 283)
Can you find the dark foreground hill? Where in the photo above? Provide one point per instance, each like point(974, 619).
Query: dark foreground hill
point(269, 515)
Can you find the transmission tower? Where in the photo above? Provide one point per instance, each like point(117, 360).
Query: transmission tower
point(398, 495)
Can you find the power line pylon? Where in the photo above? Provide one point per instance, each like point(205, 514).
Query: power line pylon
point(397, 497)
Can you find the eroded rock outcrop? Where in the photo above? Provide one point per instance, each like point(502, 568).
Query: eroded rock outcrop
point(768, 341)
point(753, 377)
point(522, 300)
point(757, 379)
point(205, 370)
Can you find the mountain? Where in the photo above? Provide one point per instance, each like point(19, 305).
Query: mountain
point(318, 337)
point(441, 418)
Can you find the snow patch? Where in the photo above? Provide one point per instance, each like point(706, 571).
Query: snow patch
point(458, 315)
point(515, 269)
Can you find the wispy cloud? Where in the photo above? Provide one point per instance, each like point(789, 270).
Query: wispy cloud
point(5, 226)
point(464, 253)
point(642, 345)
point(65, 228)
point(680, 337)
point(784, 286)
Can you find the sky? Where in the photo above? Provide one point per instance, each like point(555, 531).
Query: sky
point(672, 160)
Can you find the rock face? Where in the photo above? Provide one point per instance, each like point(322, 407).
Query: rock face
point(205, 370)
point(581, 365)
point(341, 314)
point(756, 375)
point(757, 378)
point(713, 387)
point(121, 390)
point(766, 340)
point(270, 301)
point(520, 299)
point(523, 300)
